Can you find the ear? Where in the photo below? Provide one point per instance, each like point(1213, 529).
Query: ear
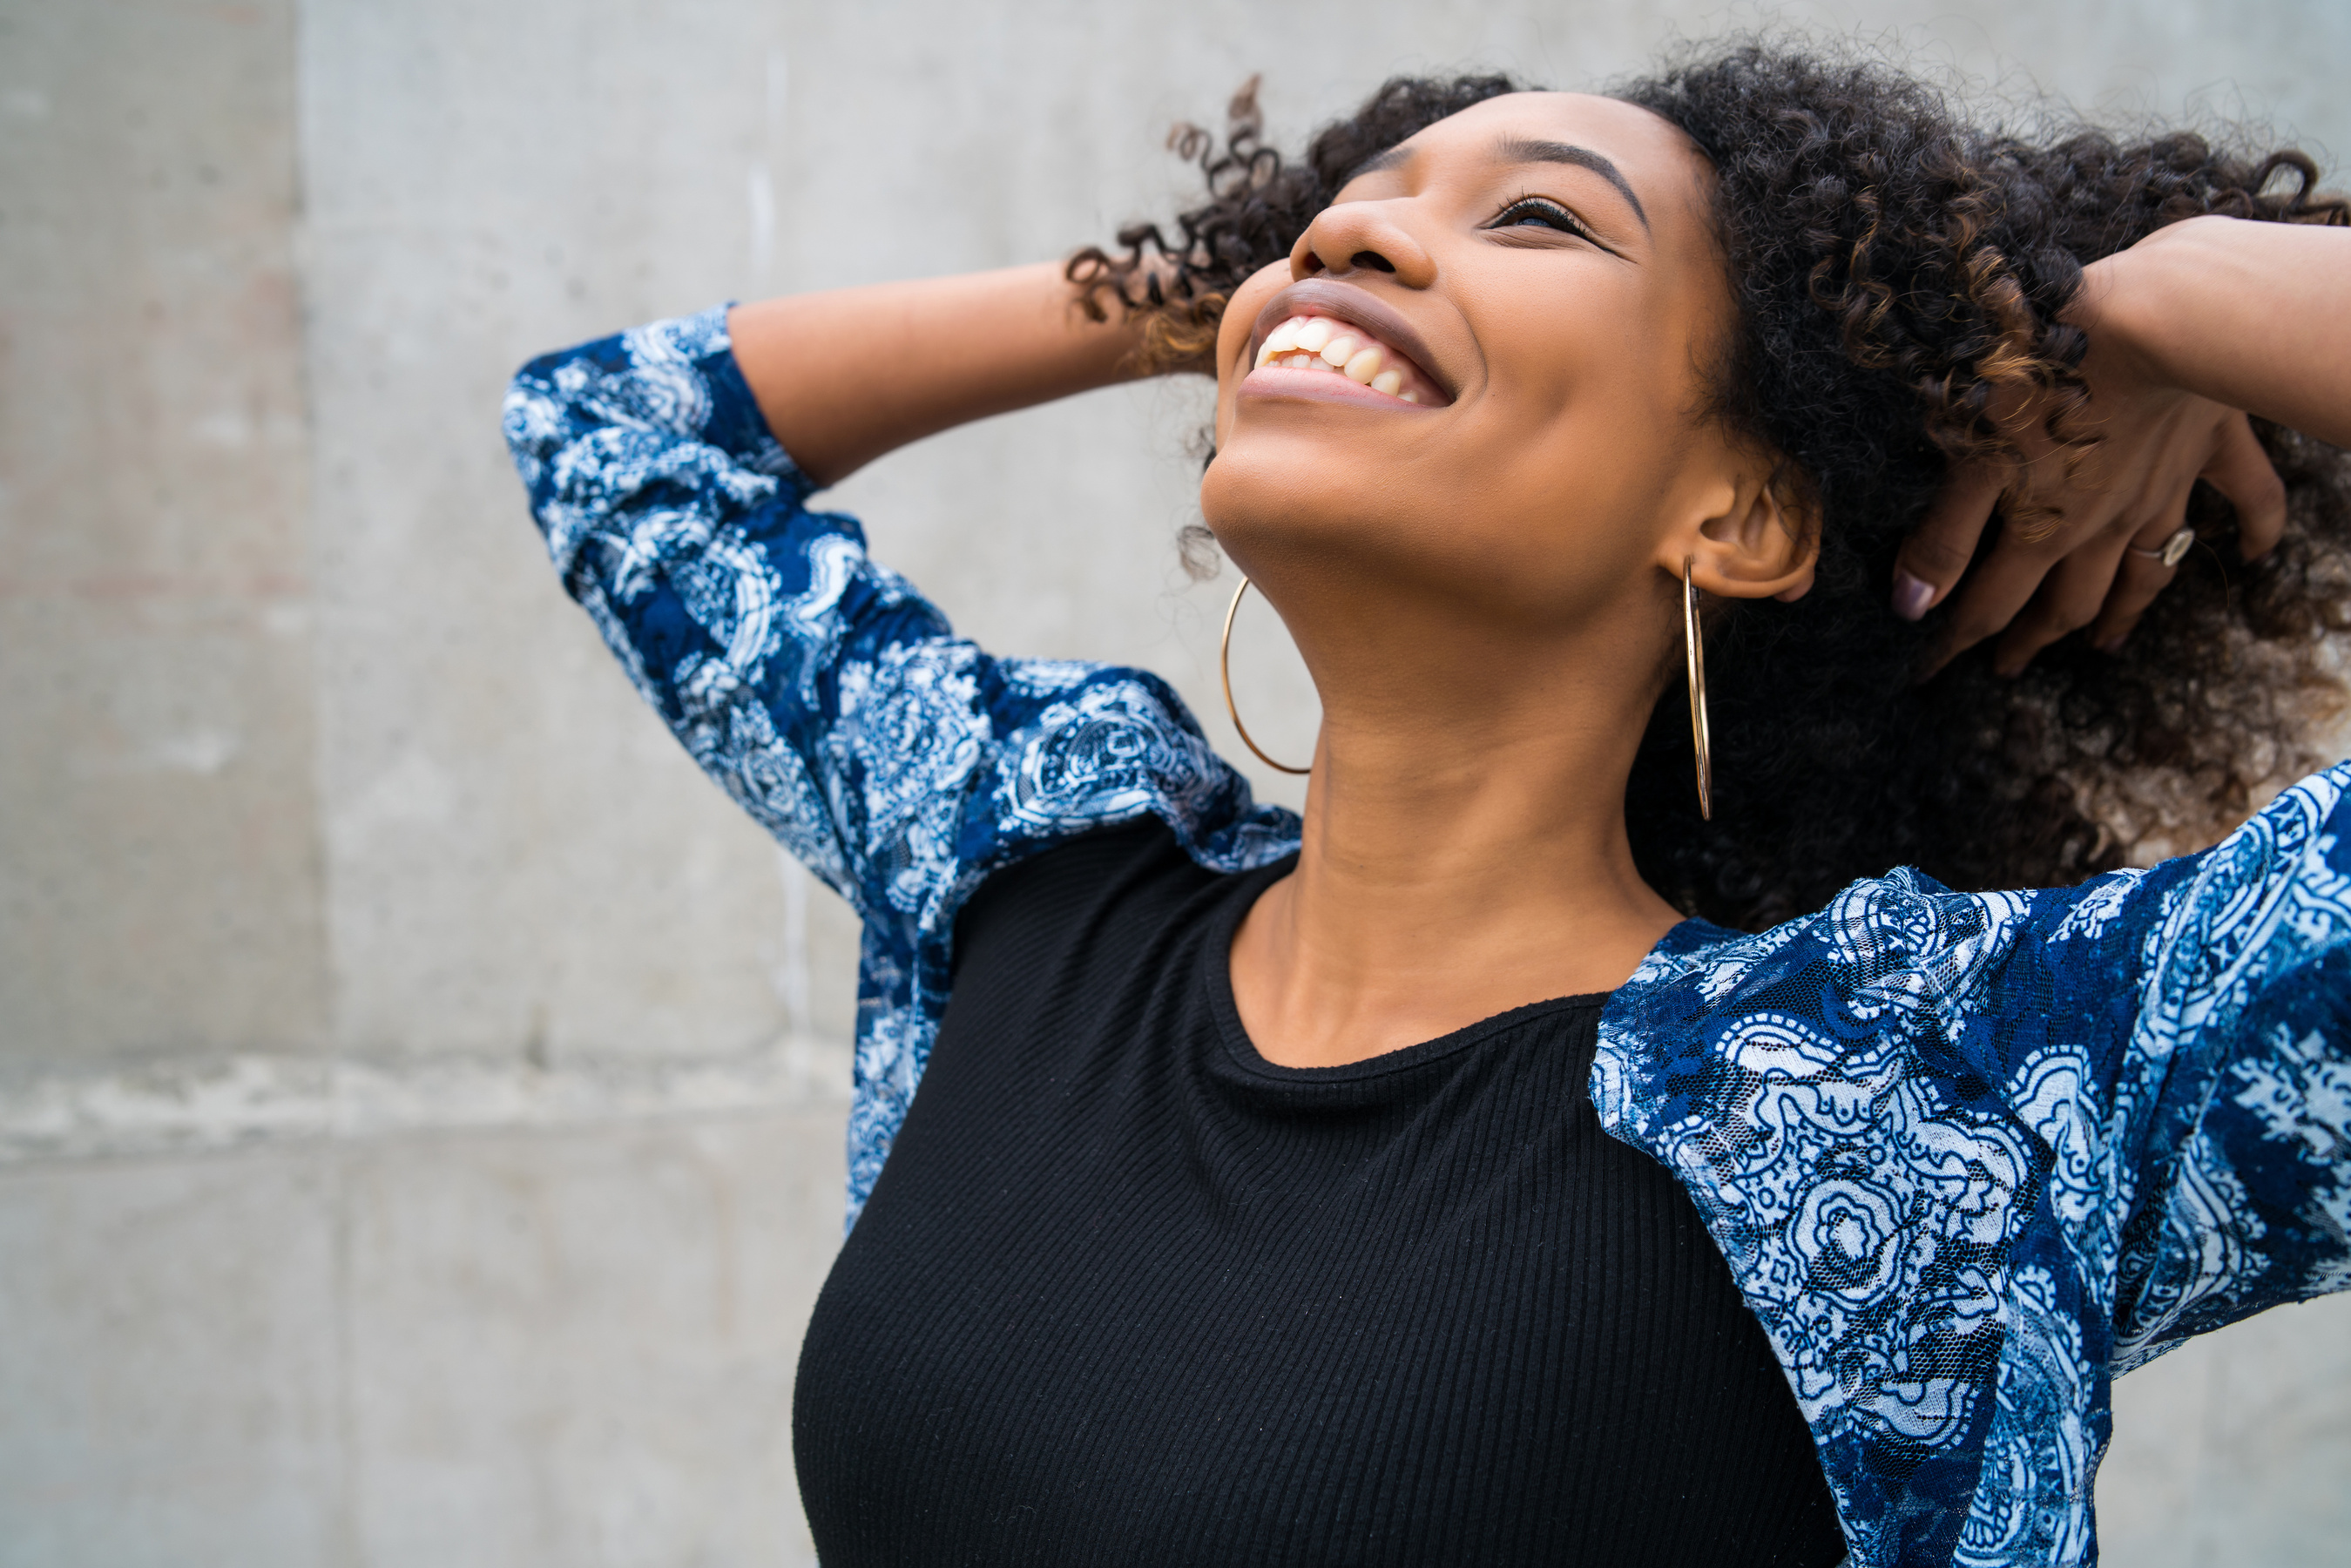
point(1752, 532)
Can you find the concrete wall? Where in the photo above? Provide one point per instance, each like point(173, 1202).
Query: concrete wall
point(420, 1094)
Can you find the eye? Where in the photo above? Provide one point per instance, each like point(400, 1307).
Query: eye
point(1540, 212)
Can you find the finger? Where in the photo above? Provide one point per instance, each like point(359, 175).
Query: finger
point(2139, 576)
point(2068, 599)
point(2241, 471)
point(1939, 549)
point(2000, 587)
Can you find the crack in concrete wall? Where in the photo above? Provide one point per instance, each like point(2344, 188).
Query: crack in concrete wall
point(189, 1107)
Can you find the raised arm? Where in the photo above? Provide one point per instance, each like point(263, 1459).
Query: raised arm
point(671, 468)
point(846, 375)
point(2250, 314)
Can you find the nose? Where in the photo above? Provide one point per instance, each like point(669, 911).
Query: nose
point(1358, 238)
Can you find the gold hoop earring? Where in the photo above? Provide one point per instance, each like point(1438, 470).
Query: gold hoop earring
point(1693, 647)
point(1224, 668)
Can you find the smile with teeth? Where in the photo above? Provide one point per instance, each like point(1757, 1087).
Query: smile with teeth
point(1318, 343)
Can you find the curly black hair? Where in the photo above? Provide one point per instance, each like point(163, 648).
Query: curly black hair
point(1895, 266)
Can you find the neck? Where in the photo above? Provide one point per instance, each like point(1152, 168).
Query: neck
point(1460, 858)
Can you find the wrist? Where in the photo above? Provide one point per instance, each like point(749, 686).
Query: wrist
point(1113, 303)
point(2146, 309)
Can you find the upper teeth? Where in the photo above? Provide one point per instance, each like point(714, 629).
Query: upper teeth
point(1318, 343)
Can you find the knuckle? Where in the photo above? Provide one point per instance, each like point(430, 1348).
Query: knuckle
point(2053, 619)
point(2039, 537)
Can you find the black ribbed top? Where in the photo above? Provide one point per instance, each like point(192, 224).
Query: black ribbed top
point(1129, 1294)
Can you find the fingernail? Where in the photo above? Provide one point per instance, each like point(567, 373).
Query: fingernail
point(1912, 597)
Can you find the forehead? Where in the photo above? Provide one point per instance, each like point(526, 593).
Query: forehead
point(1663, 165)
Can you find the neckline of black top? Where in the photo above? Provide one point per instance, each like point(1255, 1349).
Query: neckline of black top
point(1218, 979)
point(1128, 1292)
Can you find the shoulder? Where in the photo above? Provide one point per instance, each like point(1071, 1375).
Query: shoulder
point(1903, 1012)
point(1865, 1105)
point(1086, 745)
point(1916, 1121)
point(1887, 949)
point(1117, 885)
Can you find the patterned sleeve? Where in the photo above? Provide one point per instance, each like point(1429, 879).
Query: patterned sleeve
point(1972, 1155)
point(901, 763)
point(748, 621)
point(2234, 1094)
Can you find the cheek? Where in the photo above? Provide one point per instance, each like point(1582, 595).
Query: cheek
point(1561, 469)
point(1551, 535)
point(1605, 456)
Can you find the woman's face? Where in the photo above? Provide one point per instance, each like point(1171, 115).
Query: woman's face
point(1479, 379)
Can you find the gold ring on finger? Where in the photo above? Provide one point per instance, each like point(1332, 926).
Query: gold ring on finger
point(2172, 551)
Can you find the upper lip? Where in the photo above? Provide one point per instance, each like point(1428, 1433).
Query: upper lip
point(1346, 302)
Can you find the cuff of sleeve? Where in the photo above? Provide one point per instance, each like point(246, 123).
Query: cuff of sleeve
point(735, 424)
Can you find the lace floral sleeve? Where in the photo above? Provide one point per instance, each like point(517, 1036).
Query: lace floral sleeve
point(1972, 1155)
point(2236, 1090)
point(901, 763)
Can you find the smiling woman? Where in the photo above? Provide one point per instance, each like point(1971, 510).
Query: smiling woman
point(1831, 183)
point(1430, 1178)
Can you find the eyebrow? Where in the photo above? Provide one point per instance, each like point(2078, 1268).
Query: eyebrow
point(1518, 149)
point(1526, 149)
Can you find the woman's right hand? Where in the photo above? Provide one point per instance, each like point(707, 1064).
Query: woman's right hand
point(2188, 329)
point(846, 375)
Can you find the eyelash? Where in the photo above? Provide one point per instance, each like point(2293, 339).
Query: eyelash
point(1568, 222)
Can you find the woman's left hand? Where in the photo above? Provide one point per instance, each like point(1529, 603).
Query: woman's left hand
point(2104, 515)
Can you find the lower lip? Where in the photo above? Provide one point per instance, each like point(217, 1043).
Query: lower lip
point(1322, 386)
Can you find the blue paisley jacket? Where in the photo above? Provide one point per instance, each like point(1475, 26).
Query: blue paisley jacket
point(1970, 1156)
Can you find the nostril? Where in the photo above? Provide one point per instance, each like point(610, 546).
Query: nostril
point(1371, 260)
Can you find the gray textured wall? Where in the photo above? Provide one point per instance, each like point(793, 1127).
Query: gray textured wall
point(420, 1094)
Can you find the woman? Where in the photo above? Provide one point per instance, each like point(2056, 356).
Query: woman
point(1422, 1181)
